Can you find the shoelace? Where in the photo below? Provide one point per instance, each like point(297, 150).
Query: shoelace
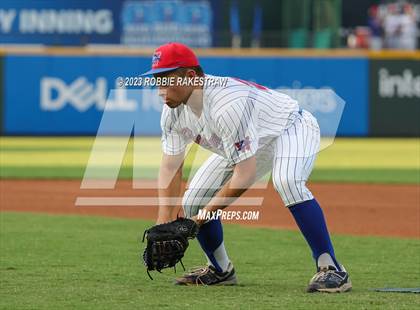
point(204, 273)
point(198, 281)
point(323, 274)
point(198, 270)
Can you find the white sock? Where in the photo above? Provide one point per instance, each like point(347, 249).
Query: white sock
point(221, 257)
point(325, 260)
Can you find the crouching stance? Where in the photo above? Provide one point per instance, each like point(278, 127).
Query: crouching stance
point(252, 130)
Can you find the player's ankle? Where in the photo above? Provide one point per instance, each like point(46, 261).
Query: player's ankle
point(325, 260)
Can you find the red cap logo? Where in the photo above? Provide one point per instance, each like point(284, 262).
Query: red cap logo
point(156, 58)
point(172, 56)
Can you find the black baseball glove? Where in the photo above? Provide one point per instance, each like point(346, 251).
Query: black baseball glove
point(167, 243)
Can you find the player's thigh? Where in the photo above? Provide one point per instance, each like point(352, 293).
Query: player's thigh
point(296, 150)
point(207, 181)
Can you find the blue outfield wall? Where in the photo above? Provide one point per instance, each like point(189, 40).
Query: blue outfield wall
point(348, 77)
point(66, 95)
point(54, 95)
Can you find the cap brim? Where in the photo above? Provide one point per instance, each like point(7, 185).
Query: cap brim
point(158, 70)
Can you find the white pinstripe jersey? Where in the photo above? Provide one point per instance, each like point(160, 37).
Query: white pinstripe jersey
point(235, 121)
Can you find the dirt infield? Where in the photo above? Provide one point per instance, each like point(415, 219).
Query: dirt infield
point(356, 209)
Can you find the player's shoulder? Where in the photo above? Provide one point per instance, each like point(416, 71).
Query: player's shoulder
point(282, 95)
point(218, 87)
point(223, 92)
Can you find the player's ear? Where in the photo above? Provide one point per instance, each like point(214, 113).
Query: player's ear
point(191, 73)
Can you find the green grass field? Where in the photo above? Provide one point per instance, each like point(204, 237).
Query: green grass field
point(59, 262)
point(347, 160)
point(69, 262)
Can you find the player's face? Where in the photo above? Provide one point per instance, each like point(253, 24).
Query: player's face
point(174, 95)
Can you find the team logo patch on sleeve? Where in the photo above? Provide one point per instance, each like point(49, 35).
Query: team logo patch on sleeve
point(243, 145)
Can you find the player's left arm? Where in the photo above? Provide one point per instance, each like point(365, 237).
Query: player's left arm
point(242, 178)
point(240, 141)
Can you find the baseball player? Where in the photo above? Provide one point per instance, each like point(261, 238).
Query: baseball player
point(251, 130)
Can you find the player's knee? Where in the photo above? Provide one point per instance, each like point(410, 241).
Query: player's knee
point(291, 190)
point(282, 183)
point(193, 200)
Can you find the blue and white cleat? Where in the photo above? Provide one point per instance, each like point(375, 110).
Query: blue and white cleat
point(208, 275)
point(330, 280)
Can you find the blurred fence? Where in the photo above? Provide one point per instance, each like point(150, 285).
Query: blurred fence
point(64, 92)
point(79, 22)
point(198, 23)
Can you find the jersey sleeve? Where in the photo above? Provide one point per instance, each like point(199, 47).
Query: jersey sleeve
point(173, 142)
point(237, 126)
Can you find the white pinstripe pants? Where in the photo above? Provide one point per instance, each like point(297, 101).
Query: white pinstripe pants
point(291, 157)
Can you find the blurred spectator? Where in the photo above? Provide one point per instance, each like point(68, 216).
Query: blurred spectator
point(392, 26)
point(400, 27)
point(408, 38)
point(375, 27)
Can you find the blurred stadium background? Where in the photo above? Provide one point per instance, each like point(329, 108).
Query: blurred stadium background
point(60, 60)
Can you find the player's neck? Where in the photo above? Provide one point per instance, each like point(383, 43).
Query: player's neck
point(195, 102)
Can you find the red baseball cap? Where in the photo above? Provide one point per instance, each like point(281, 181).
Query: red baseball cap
point(172, 56)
